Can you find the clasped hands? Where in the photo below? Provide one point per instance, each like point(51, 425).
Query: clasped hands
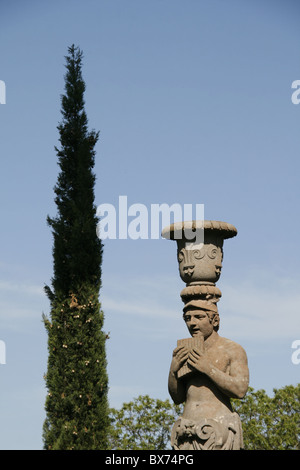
point(194, 357)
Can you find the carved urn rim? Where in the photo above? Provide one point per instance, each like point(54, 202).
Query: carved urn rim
point(224, 229)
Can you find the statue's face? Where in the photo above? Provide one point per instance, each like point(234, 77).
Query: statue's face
point(198, 323)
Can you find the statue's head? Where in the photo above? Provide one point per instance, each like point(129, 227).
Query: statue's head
point(201, 317)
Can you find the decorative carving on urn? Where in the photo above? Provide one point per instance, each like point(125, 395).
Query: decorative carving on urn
point(202, 262)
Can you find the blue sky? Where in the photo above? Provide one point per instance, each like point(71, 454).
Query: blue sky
point(193, 103)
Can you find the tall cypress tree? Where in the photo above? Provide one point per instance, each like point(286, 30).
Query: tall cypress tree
point(76, 379)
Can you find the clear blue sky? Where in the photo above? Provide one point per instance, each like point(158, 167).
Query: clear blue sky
point(193, 102)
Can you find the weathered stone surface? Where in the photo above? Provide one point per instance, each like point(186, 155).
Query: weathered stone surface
point(206, 369)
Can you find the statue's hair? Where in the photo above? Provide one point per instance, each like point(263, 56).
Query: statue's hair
point(212, 316)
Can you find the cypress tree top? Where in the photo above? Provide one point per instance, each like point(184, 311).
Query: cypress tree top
point(77, 251)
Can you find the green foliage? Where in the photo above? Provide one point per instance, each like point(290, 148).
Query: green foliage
point(77, 251)
point(76, 379)
point(143, 424)
point(270, 423)
point(77, 414)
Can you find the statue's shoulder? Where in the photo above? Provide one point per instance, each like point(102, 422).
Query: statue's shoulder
point(230, 345)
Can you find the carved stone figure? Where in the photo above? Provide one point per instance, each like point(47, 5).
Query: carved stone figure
point(206, 369)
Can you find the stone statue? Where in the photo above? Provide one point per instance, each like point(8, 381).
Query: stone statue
point(206, 369)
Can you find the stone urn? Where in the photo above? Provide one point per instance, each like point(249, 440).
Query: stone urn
point(200, 255)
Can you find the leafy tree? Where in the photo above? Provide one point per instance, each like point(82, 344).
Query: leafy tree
point(268, 423)
point(143, 424)
point(77, 414)
point(271, 423)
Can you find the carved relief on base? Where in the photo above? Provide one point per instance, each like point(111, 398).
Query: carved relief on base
point(208, 434)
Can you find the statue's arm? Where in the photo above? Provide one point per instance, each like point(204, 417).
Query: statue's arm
point(176, 387)
point(235, 384)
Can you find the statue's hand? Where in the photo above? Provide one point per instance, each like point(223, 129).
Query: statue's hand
point(198, 361)
point(180, 355)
